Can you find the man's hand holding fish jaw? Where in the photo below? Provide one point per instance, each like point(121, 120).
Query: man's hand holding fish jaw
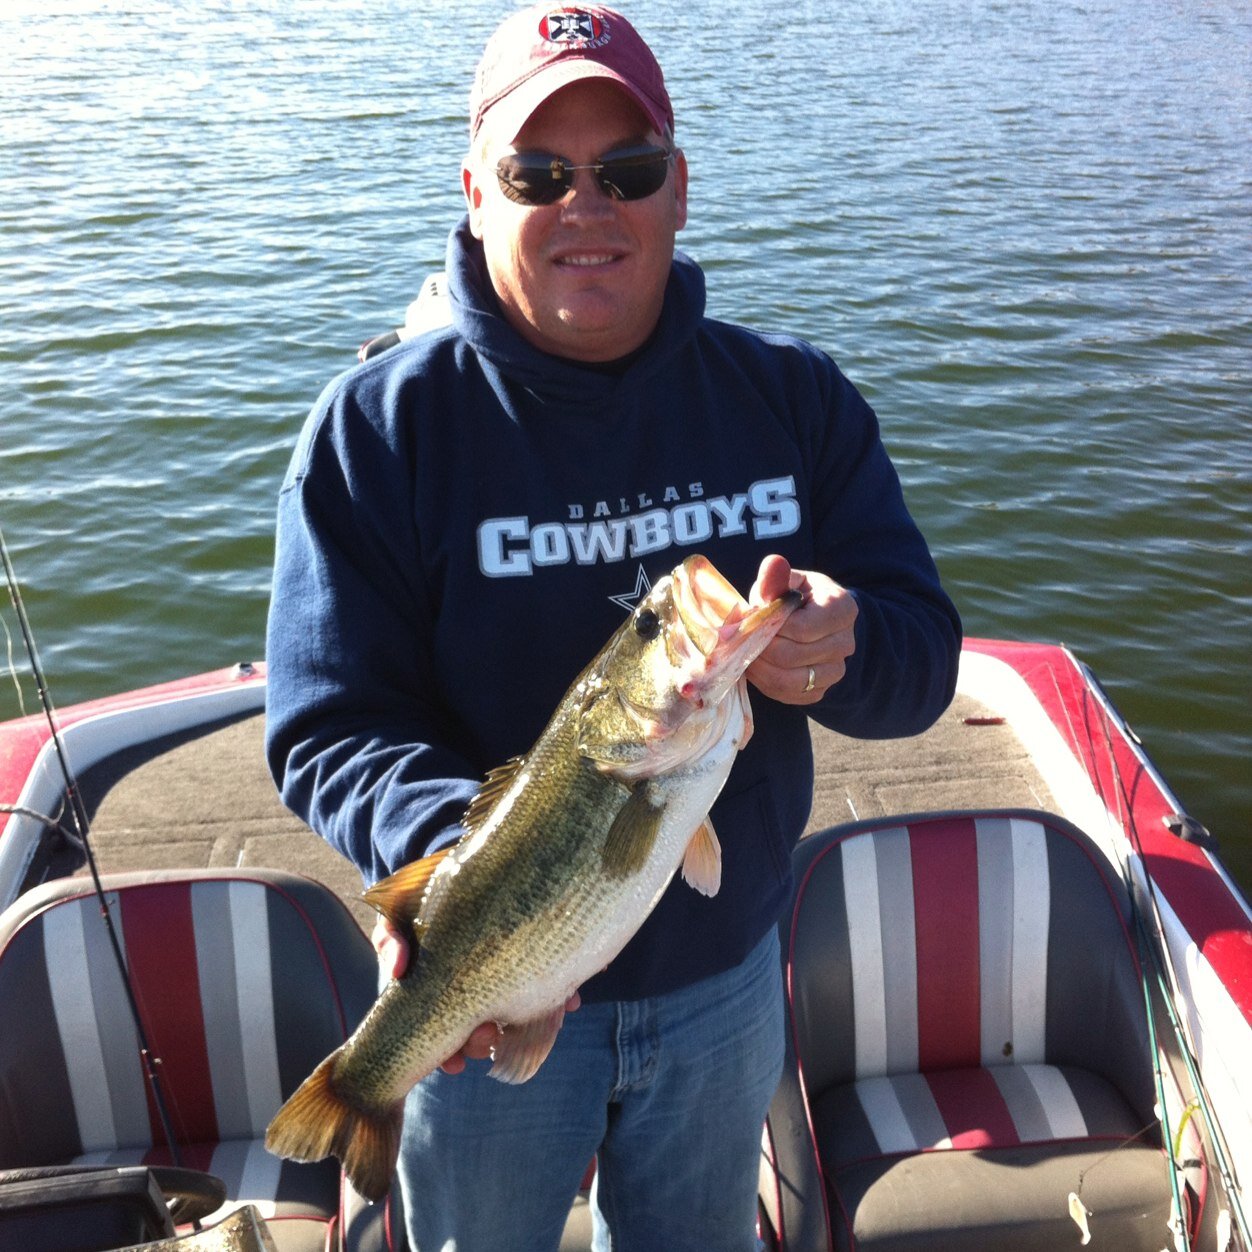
point(809, 655)
point(393, 959)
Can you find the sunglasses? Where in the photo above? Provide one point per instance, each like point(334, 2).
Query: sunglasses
point(624, 174)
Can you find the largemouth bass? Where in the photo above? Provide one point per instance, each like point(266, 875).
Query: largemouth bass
point(565, 852)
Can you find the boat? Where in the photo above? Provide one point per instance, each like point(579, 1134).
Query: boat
point(1019, 985)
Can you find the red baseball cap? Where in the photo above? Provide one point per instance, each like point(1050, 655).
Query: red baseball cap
point(541, 49)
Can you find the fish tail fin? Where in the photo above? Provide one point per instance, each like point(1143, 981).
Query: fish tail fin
point(318, 1122)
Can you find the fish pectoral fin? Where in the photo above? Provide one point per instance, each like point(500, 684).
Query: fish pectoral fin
point(399, 897)
point(524, 1046)
point(702, 862)
point(633, 835)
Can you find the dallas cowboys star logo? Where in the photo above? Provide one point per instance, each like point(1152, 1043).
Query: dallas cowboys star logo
point(629, 599)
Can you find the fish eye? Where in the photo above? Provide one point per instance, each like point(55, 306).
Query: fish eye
point(647, 624)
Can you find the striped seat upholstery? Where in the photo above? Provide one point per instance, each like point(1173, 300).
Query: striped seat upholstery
point(967, 1043)
point(244, 981)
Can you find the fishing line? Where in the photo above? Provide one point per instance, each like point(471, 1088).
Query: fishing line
point(1157, 948)
point(78, 816)
point(1171, 992)
point(1178, 1213)
point(17, 810)
point(1113, 1151)
point(51, 823)
point(17, 682)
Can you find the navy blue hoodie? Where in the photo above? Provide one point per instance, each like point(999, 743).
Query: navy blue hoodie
point(466, 520)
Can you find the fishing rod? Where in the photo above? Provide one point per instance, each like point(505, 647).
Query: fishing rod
point(1155, 943)
point(81, 826)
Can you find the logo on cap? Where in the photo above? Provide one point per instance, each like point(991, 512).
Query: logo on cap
point(574, 27)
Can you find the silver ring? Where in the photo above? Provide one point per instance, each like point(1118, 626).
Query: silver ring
point(808, 686)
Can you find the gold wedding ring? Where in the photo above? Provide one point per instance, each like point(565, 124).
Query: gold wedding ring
point(808, 686)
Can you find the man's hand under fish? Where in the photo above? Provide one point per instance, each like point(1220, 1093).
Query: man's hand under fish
point(809, 654)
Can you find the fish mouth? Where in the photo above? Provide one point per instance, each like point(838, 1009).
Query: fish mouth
point(717, 619)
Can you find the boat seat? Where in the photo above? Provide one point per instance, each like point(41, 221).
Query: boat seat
point(967, 1044)
point(244, 981)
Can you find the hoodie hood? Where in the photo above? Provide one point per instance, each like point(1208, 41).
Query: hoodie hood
point(477, 316)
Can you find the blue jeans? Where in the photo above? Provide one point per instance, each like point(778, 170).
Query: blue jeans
point(669, 1093)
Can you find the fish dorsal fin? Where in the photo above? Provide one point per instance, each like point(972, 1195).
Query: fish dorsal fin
point(633, 834)
point(497, 782)
point(399, 897)
point(702, 863)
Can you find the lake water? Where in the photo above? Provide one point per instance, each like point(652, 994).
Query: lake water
point(1023, 228)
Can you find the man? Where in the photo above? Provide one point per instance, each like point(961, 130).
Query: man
point(466, 519)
